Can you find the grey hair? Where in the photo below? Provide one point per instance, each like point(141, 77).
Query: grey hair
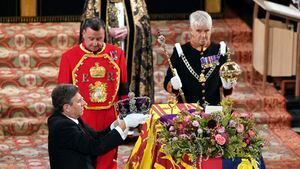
point(200, 19)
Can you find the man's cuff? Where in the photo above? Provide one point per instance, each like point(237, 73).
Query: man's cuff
point(122, 133)
point(112, 125)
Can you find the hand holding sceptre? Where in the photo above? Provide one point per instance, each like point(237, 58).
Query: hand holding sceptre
point(161, 40)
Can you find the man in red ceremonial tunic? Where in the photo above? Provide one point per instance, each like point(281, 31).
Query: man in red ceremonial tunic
point(99, 70)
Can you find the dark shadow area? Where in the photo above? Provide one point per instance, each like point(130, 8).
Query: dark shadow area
point(177, 9)
point(59, 7)
point(10, 8)
point(241, 8)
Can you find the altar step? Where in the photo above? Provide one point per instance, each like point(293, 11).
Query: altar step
point(293, 107)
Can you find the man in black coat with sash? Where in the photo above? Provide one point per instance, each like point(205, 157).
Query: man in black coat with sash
point(73, 144)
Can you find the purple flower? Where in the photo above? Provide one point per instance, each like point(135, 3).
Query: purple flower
point(221, 129)
point(195, 123)
point(191, 110)
point(232, 123)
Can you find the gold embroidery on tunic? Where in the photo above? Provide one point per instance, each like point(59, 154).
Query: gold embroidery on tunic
point(98, 92)
point(97, 71)
point(97, 6)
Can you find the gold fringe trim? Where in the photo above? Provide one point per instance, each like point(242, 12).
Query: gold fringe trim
point(40, 19)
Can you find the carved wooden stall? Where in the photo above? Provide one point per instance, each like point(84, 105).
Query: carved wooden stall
point(276, 47)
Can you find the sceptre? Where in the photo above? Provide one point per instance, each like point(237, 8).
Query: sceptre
point(162, 41)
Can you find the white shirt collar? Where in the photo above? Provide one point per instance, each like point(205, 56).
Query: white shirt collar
point(75, 120)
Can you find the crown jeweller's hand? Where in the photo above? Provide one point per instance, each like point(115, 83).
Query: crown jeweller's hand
point(134, 119)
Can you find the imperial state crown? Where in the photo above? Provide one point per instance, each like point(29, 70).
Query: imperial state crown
point(133, 105)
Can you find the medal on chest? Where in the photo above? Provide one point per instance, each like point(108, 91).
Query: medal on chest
point(208, 62)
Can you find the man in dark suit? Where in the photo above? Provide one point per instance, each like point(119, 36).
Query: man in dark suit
point(73, 144)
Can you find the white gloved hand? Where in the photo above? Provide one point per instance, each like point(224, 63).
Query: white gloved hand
point(222, 48)
point(228, 84)
point(134, 119)
point(175, 81)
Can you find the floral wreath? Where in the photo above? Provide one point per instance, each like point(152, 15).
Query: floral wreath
point(226, 134)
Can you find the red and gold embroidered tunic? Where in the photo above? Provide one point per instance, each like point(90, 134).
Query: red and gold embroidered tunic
point(102, 81)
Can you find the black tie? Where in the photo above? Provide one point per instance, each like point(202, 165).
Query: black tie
point(81, 128)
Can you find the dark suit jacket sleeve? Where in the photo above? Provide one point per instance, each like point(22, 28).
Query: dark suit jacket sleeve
point(69, 135)
point(97, 134)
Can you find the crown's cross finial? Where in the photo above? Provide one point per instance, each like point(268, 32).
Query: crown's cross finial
point(132, 101)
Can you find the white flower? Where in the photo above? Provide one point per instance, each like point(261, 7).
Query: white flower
point(171, 128)
point(200, 131)
point(174, 138)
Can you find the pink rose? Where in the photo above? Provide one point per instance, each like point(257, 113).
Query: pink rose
point(235, 114)
point(187, 118)
point(220, 139)
point(180, 126)
point(247, 141)
point(251, 133)
point(240, 128)
point(197, 113)
point(206, 116)
point(246, 115)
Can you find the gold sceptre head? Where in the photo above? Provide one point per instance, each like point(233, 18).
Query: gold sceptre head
point(230, 70)
point(162, 41)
